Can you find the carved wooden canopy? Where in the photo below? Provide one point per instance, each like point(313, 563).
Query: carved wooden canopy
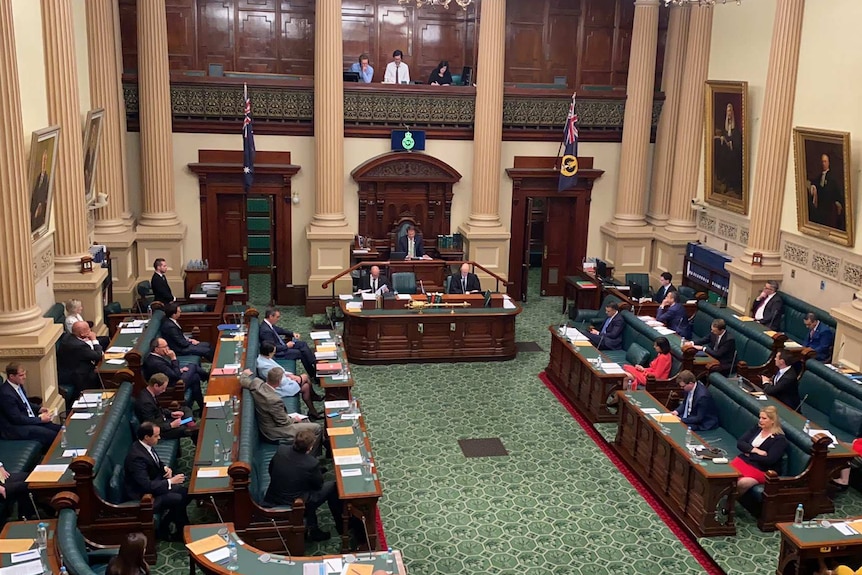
point(405, 185)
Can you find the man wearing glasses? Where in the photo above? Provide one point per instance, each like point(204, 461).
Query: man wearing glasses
point(768, 308)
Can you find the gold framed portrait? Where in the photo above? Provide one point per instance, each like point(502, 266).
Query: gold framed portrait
point(726, 147)
point(92, 141)
point(824, 199)
point(40, 178)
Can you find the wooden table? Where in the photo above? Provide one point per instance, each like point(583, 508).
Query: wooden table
point(213, 425)
point(27, 530)
point(699, 492)
point(336, 387)
point(395, 334)
point(584, 289)
point(250, 563)
point(802, 547)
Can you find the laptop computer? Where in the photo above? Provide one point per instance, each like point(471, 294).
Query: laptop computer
point(348, 76)
point(398, 256)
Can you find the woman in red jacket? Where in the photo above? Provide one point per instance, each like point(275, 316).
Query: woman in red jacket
point(636, 375)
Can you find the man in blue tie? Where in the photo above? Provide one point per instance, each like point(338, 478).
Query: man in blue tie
point(20, 419)
point(697, 409)
point(820, 337)
point(610, 337)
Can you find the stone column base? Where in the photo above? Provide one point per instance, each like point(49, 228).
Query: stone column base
point(121, 244)
point(37, 351)
point(331, 249)
point(88, 289)
point(669, 254)
point(848, 334)
point(628, 249)
point(746, 283)
point(488, 247)
point(162, 242)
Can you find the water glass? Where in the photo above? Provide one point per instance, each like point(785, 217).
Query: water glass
point(227, 455)
point(369, 470)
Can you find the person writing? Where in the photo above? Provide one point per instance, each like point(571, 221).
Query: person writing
point(441, 76)
point(760, 449)
point(465, 282)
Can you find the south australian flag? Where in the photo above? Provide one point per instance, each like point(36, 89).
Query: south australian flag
point(569, 160)
point(247, 144)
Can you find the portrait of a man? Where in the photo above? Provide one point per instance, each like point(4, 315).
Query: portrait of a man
point(43, 151)
point(726, 149)
point(92, 140)
point(824, 201)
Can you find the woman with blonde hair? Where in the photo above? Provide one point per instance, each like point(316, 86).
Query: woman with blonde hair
point(760, 450)
point(74, 309)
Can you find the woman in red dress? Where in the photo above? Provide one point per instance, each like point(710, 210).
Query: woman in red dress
point(760, 449)
point(636, 375)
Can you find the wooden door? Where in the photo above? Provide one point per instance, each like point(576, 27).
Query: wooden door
point(232, 239)
point(559, 237)
point(525, 250)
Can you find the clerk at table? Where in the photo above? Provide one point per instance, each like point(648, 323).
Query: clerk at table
point(465, 282)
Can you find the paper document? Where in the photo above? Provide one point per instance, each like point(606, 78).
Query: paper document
point(347, 456)
point(664, 330)
point(198, 296)
point(115, 361)
point(845, 529)
point(81, 415)
point(207, 544)
point(665, 418)
point(295, 415)
point(404, 296)
point(350, 415)
point(212, 472)
point(85, 404)
point(358, 569)
point(131, 330)
point(15, 545)
point(855, 526)
point(368, 297)
point(340, 404)
point(333, 565)
point(646, 318)
point(319, 335)
point(509, 304)
point(354, 305)
point(325, 355)
point(313, 568)
point(118, 349)
point(31, 568)
point(650, 410)
point(830, 435)
point(218, 555)
point(352, 472)
point(744, 318)
point(47, 473)
point(345, 297)
point(336, 431)
point(25, 555)
point(74, 452)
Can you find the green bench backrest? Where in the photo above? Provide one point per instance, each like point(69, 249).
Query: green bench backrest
point(639, 333)
point(252, 344)
point(56, 313)
point(72, 546)
point(249, 447)
point(794, 311)
point(753, 346)
point(150, 332)
point(111, 446)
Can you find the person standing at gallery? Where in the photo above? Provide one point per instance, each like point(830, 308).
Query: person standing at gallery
point(363, 68)
point(397, 72)
point(826, 197)
point(727, 155)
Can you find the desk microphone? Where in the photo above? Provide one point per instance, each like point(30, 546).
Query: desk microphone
point(283, 542)
point(36, 509)
point(422, 287)
point(840, 349)
point(601, 339)
point(801, 403)
point(638, 311)
point(732, 365)
point(367, 539)
point(223, 530)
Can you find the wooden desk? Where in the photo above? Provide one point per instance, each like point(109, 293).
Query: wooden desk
point(334, 386)
point(250, 563)
point(584, 290)
point(27, 530)
point(213, 425)
point(400, 335)
point(699, 492)
point(801, 547)
point(587, 387)
point(430, 273)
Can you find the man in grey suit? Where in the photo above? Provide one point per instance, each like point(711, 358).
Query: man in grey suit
point(273, 420)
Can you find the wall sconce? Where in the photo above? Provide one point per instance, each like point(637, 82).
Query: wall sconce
point(295, 197)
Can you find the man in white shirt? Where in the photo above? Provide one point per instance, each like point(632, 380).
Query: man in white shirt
point(768, 308)
point(397, 71)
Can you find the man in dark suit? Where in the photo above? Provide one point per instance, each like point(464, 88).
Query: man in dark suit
point(20, 419)
point(162, 359)
point(610, 337)
point(177, 341)
point(291, 347)
point(145, 473)
point(465, 282)
point(672, 314)
point(718, 344)
point(666, 287)
point(374, 281)
point(412, 245)
point(785, 385)
point(77, 357)
point(768, 308)
point(697, 408)
point(826, 197)
point(820, 338)
point(13, 488)
point(296, 474)
point(147, 408)
point(159, 283)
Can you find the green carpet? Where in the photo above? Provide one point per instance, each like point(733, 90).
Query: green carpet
point(555, 504)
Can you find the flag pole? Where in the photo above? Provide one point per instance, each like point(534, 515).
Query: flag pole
point(560, 148)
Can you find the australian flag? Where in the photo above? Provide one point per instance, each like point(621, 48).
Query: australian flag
point(569, 161)
point(247, 144)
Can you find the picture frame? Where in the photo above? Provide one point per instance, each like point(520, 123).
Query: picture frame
point(92, 141)
point(726, 145)
point(40, 178)
point(824, 204)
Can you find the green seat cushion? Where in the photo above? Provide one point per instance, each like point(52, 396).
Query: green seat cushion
point(288, 365)
point(20, 454)
point(260, 471)
point(846, 418)
point(637, 355)
point(189, 359)
point(291, 403)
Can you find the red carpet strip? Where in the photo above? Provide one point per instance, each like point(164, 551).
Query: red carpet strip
point(381, 537)
point(702, 557)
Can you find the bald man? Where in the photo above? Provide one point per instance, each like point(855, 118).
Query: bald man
point(374, 281)
point(464, 282)
point(77, 357)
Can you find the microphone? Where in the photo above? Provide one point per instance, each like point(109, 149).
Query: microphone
point(798, 407)
point(422, 287)
point(223, 530)
point(367, 539)
point(640, 305)
point(840, 349)
point(36, 509)
point(286, 548)
point(732, 365)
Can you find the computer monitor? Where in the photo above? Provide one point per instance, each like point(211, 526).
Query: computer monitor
point(467, 76)
point(601, 269)
point(397, 256)
point(350, 76)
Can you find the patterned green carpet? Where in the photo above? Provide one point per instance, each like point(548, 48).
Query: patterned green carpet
point(555, 504)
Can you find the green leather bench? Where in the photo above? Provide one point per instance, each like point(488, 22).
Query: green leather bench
point(795, 310)
point(57, 314)
point(250, 479)
point(832, 400)
point(106, 513)
point(135, 360)
point(803, 471)
point(18, 455)
point(586, 317)
point(72, 547)
point(253, 350)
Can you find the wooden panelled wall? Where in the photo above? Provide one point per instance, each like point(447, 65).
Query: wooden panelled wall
point(584, 42)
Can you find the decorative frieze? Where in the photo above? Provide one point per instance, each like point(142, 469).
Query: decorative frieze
point(795, 253)
point(825, 264)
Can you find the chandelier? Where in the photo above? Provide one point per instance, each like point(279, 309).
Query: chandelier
point(697, 2)
point(444, 3)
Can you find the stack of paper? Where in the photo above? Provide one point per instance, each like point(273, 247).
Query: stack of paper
point(134, 323)
point(339, 404)
point(355, 305)
point(404, 296)
point(131, 330)
point(47, 473)
point(319, 335)
point(117, 349)
point(346, 296)
point(347, 456)
point(612, 368)
point(663, 330)
point(328, 354)
point(509, 304)
point(368, 297)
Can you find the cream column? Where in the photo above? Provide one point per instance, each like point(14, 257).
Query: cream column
point(681, 227)
point(159, 233)
point(114, 224)
point(71, 239)
point(773, 150)
point(25, 335)
point(329, 237)
point(627, 239)
point(486, 241)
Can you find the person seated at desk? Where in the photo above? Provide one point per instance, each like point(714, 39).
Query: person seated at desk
point(673, 315)
point(768, 308)
point(273, 421)
point(785, 385)
point(697, 409)
point(610, 337)
point(20, 419)
point(465, 282)
point(77, 357)
point(147, 408)
point(13, 488)
point(130, 558)
point(636, 375)
point(162, 359)
point(397, 72)
point(718, 344)
point(441, 76)
point(666, 287)
point(296, 474)
point(374, 281)
point(145, 473)
point(412, 245)
point(74, 309)
point(363, 68)
point(760, 449)
point(820, 338)
point(291, 347)
point(291, 384)
point(177, 340)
